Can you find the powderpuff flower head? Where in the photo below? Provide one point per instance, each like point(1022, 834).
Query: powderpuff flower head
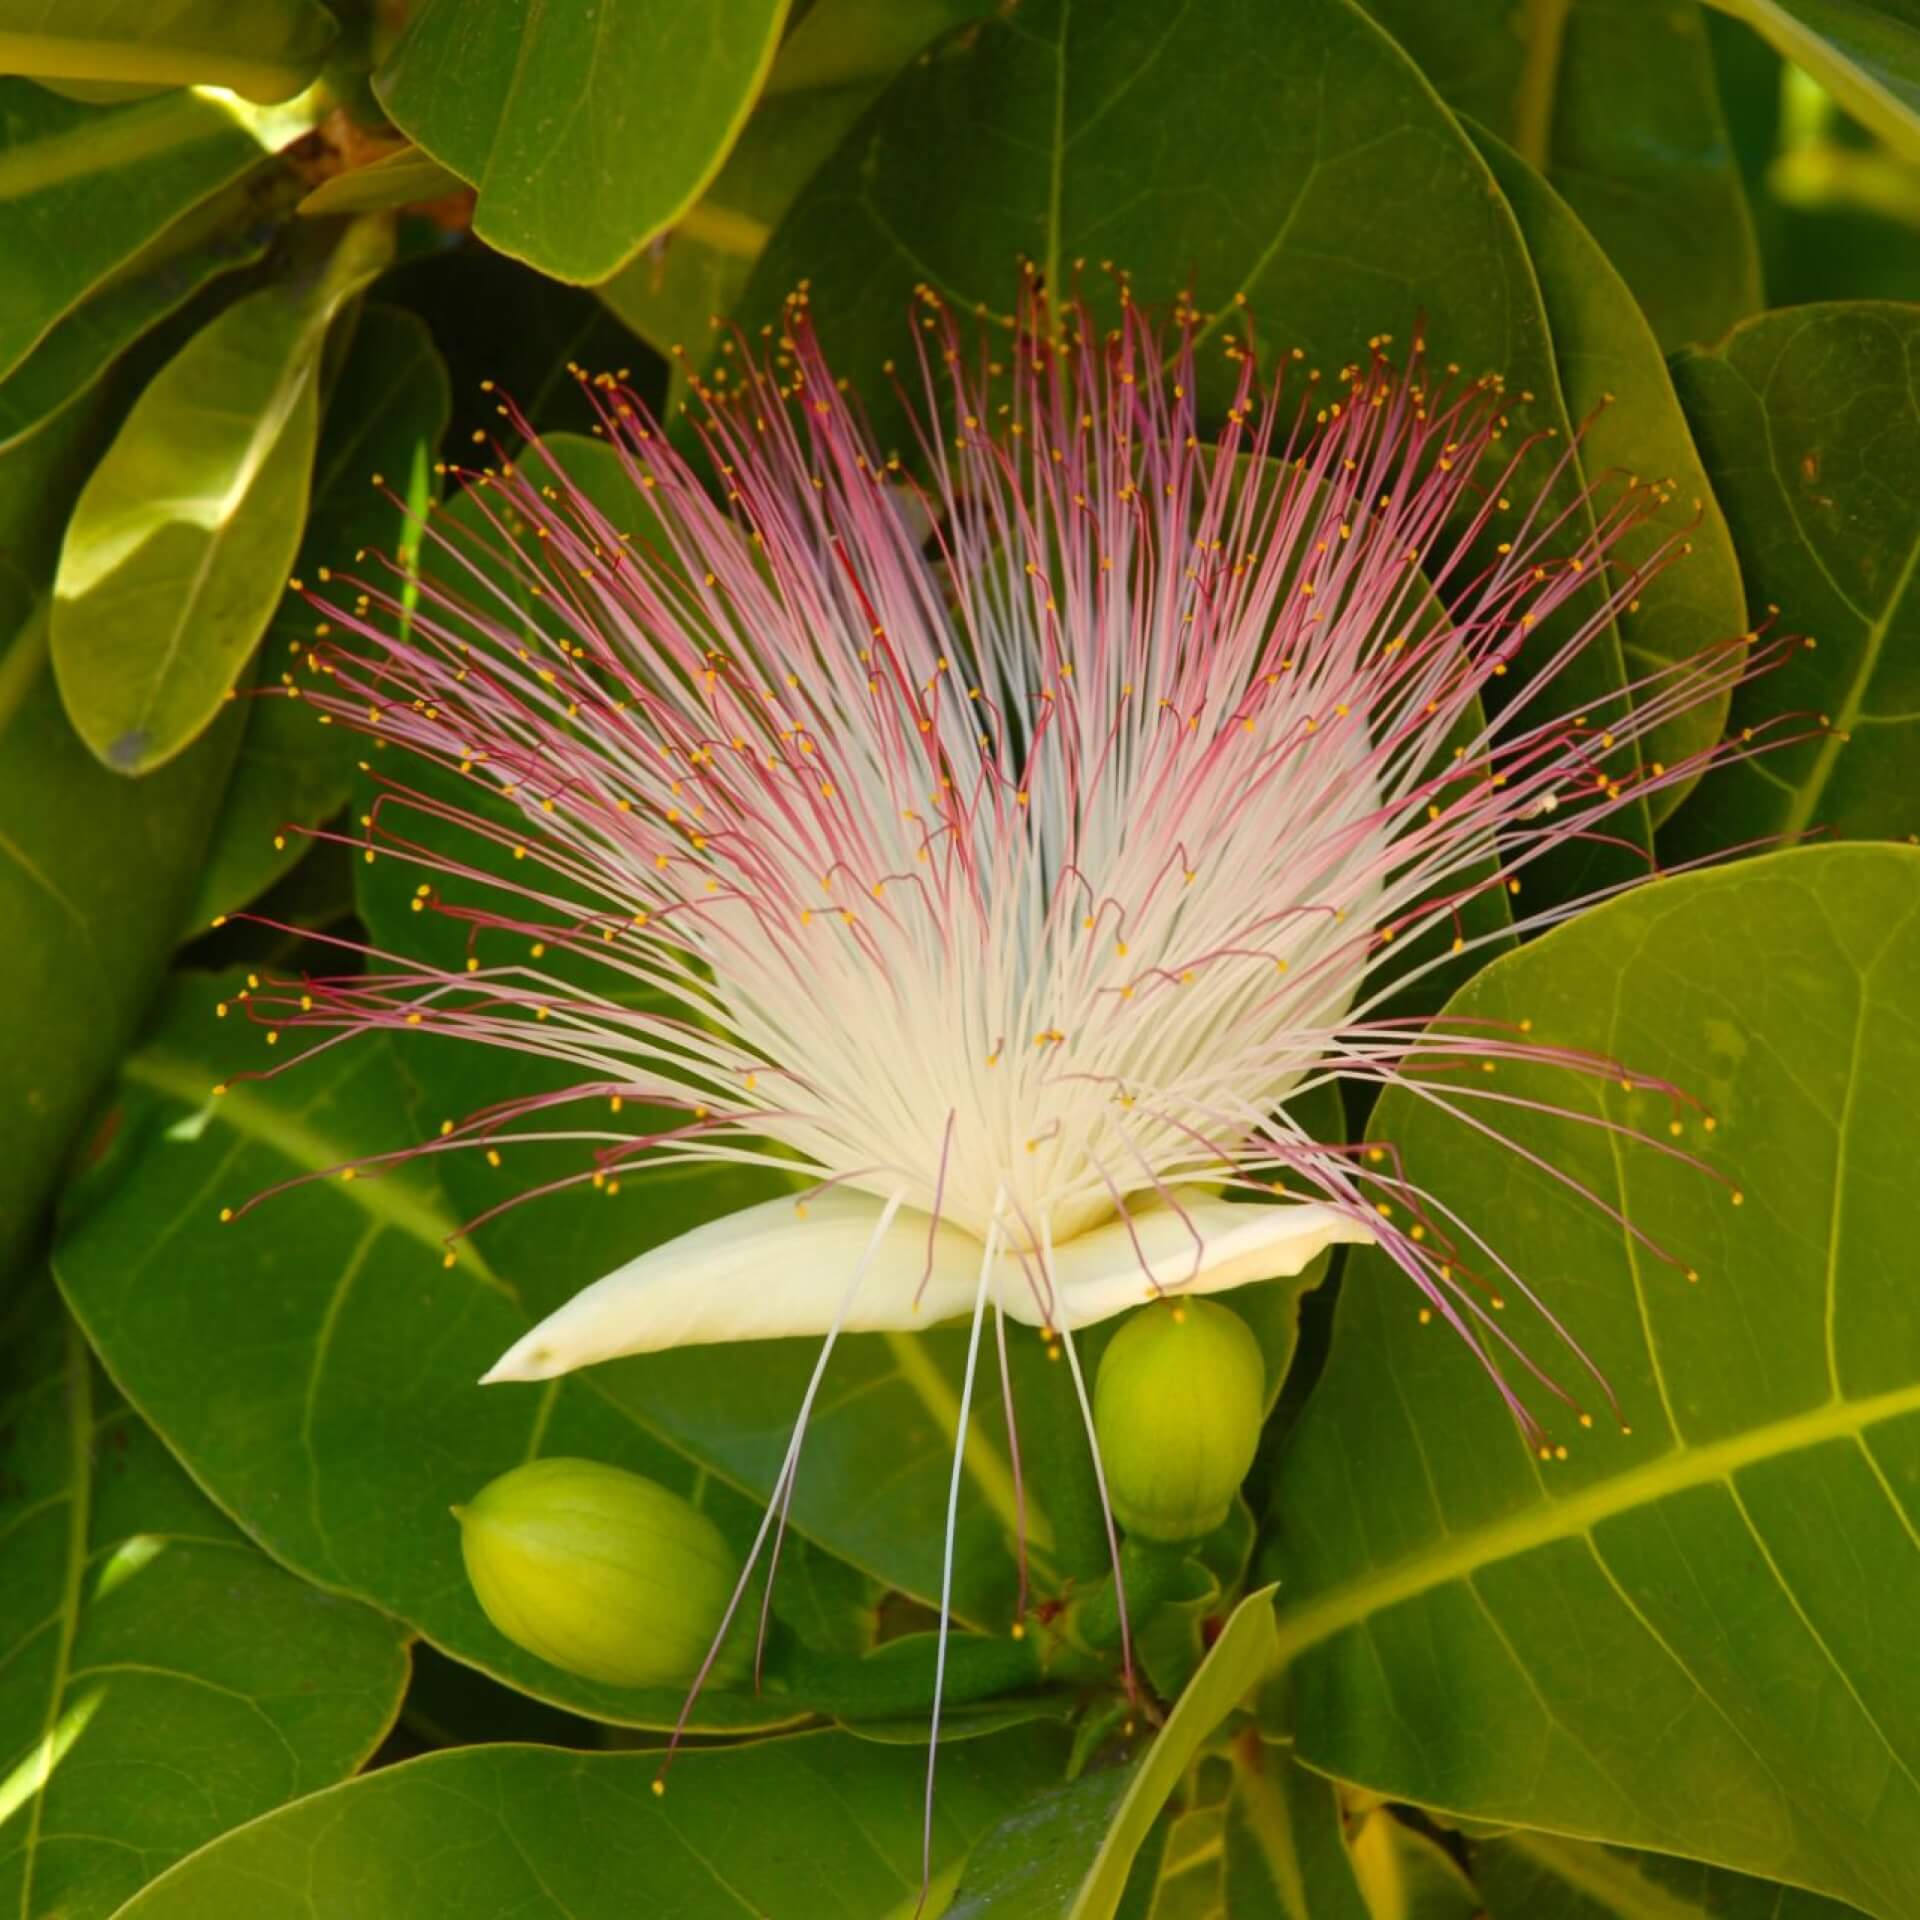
point(1003, 838)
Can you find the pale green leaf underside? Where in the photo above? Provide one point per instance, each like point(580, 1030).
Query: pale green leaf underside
point(178, 548)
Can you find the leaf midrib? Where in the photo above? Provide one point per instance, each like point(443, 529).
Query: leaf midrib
point(387, 1200)
point(1812, 790)
point(1461, 1555)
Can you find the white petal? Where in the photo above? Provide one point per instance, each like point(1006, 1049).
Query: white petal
point(778, 1268)
point(1102, 1272)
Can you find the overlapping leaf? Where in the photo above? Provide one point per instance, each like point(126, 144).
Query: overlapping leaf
point(1476, 1630)
point(1522, 1875)
point(384, 418)
point(1809, 421)
point(826, 74)
point(161, 1681)
point(1611, 377)
point(84, 347)
point(265, 50)
point(95, 873)
point(178, 548)
point(1073, 1853)
point(85, 190)
point(1866, 55)
point(334, 1412)
point(1617, 105)
point(585, 132)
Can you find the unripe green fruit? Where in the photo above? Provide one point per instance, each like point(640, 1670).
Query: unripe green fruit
point(1177, 1408)
point(598, 1571)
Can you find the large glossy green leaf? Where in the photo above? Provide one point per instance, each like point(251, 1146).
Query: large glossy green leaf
point(586, 131)
point(1072, 1855)
point(264, 50)
point(1809, 422)
point(828, 71)
point(160, 1679)
point(178, 549)
point(95, 874)
point(314, 1363)
point(790, 1829)
point(1682, 1637)
point(1540, 1876)
point(1077, 126)
point(384, 418)
point(84, 190)
point(1610, 367)
point(1867, 56)
point(1615, 102)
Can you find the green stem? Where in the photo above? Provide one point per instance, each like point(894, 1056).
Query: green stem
point(898, 1678)
point(1152, 1573)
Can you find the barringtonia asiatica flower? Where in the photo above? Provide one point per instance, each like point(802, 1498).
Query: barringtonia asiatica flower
point(1007, 850)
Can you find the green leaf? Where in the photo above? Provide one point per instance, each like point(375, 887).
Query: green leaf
point(1285, 1846)
point(1809, 422)
point(95, 875)
point(384, 419)
point(1734, 1565)
point(1072, 1855)
point(1033, 1861)
point(178, 550)
point(821, 1824)
point(264, 50)
point(1866, 56)
point(1610, 368)
point(161, 1681)
point(216, 239)
point(1617, 106)
point(587, 132)
point(1529, 1876)
point(84, 190)
point(827, 73)
point(402, 179)
point(334, 1413)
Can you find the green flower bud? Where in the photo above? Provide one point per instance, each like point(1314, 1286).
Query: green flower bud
point(1177, 1408)
point(598, 1571)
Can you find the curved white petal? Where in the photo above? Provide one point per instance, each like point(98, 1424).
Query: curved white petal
point(1204, 1244)
point(778, 1268)
point(783, 1268)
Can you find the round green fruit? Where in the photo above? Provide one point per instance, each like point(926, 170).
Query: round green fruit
point(598, 1571)
point(1177, 1408)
